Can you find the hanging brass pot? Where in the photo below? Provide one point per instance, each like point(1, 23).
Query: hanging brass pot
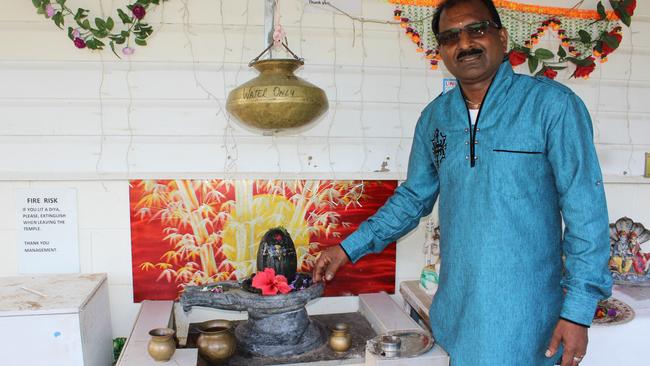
point(277, 99)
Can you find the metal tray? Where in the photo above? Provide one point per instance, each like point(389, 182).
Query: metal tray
point(413, 344)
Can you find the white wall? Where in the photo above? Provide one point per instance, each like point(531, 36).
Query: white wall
point(87, 120)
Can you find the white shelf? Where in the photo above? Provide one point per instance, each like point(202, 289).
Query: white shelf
point(626, 179)
point(400, 176)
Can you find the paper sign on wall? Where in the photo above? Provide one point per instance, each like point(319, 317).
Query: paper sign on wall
point(448, 84)
point(351, 7)
point(47, 231)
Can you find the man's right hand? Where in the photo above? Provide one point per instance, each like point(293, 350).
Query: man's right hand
point(329, 261)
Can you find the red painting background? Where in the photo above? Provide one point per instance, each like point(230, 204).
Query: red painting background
point(372, 273)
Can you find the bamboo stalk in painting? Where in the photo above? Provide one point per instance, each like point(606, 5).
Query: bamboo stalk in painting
point(221, 222)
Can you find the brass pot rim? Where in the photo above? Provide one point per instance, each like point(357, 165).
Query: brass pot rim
point(340, 327)
point(277, 61)
point(215, 323)
point(162, 332)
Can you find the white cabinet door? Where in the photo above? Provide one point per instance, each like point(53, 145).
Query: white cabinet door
point(52, 340)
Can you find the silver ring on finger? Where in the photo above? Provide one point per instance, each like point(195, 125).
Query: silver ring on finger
point(578, 359)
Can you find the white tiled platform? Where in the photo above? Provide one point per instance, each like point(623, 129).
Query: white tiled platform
point(385, 315)
point(153, 314)
point(381, 311)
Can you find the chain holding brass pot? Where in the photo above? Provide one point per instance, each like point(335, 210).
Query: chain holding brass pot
point(276, 99)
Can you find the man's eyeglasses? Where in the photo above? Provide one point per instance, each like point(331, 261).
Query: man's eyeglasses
point(473, 30)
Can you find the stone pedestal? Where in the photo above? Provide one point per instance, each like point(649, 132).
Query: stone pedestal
point(277, 325)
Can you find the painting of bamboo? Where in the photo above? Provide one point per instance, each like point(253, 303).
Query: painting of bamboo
point(204, 231)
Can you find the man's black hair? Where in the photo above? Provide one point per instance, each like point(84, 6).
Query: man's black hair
point(435, 23)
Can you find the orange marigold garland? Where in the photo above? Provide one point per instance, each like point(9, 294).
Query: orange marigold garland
point(430, 54)
point(586, 36)
point(525, 8)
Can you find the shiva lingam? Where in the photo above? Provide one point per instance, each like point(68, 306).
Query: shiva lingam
point(277, 325)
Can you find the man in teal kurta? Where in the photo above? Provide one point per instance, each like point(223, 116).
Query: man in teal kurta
point(506, 170)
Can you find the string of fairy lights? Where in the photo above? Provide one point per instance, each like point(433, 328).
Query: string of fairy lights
point(229, 135)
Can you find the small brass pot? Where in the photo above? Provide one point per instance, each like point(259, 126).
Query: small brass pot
point(162, 345)
point(216, 343)
point(340, 339)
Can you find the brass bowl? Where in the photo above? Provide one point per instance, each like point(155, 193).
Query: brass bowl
point(216, 342)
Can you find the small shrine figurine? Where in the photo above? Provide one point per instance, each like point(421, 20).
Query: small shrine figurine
point(429, 276)
point(628, 262)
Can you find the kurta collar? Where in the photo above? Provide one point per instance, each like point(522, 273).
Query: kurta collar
point(495, 96)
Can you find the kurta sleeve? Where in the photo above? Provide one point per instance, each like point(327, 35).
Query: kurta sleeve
point(578, 179)
point(402, 212)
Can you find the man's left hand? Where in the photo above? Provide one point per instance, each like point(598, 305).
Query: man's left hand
point(574, 339)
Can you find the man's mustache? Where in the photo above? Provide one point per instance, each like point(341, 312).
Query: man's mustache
point(469, 52)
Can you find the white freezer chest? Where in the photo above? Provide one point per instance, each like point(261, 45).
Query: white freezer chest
point(55, 320)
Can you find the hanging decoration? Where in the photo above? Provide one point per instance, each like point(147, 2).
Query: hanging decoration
point(93, 34)
point(585, 36)
point(277, 99)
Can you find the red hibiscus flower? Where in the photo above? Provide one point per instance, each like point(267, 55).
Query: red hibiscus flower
point(79, 43)
point(269, 283)
point(138, 11)
point(517, 57)
point(628, 6)
point(549, 73)
point(606, 49)
point(583, 71)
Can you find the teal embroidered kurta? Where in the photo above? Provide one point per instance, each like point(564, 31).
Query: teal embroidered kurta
point(504, 187)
